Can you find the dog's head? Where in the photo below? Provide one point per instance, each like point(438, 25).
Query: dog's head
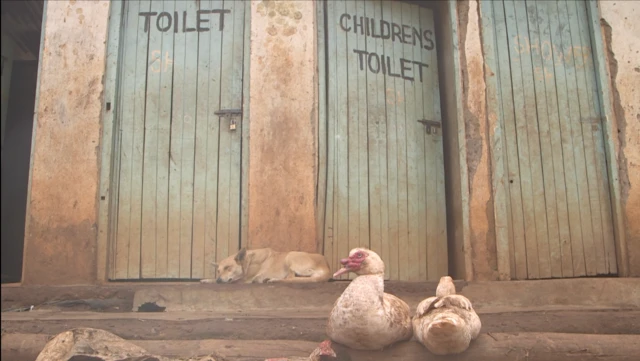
point(229, 270)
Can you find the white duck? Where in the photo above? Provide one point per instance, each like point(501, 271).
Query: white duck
point(446, 324)
point(364, 317)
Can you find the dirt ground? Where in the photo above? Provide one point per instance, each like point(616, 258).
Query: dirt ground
point(312, 329)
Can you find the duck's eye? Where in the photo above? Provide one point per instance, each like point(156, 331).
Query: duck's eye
point(359, 255)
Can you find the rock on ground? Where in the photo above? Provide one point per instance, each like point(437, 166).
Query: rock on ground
point(90, 344)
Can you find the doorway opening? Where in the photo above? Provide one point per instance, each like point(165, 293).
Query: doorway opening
point(21, 36)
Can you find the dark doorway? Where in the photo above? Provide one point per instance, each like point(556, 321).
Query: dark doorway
point(21, 33)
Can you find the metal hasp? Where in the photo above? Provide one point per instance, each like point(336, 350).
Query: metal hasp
point(224, 113)
point(429, 124)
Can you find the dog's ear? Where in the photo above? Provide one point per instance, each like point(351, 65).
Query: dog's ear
point(241, 255)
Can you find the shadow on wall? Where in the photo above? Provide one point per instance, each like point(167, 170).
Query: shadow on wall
point(15, 167)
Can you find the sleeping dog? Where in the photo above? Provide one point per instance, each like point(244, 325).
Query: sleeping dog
point(266, 265)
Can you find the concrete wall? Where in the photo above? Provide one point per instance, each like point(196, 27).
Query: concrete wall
point(61, 223)
point(283, 130)
point(60, 241)
point(622, 37)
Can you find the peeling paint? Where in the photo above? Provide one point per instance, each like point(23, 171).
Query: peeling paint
point(474, 100)
point(622, 41)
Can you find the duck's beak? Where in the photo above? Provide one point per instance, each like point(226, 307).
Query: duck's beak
point(340, 272)
point(344, 269)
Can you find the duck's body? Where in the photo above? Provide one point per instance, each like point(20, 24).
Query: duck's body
point(446, 324)
point(365, 317)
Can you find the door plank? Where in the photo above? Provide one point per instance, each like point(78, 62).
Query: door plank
point(235, 137)
point(225, 244)
point(190, 92)
point(176, 155)
point(126, 131)
point(203, 108)
point(342, 220)
point(382, 147)
point(352, 135)
point(211, 150)
point(439, 232)
point(321, 184)
point(372, 123)
point(570, 174)
point(150, 162)
point(518, 244)
point(412, 130)
point(586, 242)
point(594, 252)
point(362, 188)
point(403, 226)
point(330, 231)
point(526, 175)
point(423, 106)
point(164, 147)
point(138, 148)
point(391, 100)
point(548, 70)
point(608, 249)
point(549, 239)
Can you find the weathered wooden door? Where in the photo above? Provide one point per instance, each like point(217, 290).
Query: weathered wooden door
point(384, 165)
point(178, 168)
point(550, 146)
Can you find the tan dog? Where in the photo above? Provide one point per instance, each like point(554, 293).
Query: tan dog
point(266, 265)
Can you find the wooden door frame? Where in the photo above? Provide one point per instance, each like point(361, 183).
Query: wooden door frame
point(610, 130)
point(454, 121)
point(107, 201)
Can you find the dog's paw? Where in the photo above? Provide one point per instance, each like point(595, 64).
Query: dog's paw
point(207, 280)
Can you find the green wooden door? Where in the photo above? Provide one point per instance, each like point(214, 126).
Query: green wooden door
point(550, 147)
point(178, 163)
point(384, 170)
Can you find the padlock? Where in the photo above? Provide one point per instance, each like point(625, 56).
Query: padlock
point(232, 124)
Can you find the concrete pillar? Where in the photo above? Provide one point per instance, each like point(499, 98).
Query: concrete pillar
point(283, 125)
point(60, 240)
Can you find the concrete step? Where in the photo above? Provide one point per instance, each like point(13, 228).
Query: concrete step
point(494, 347)
point(487, 296)
point(306, 326)
point(498, 296)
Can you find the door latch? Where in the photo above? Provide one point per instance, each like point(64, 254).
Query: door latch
point(229, 114)
point(431, 126)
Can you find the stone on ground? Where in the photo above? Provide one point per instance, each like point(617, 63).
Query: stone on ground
point(90, 344)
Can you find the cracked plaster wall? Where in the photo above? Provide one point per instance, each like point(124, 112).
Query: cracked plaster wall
point(622, 37)
point(60, 237)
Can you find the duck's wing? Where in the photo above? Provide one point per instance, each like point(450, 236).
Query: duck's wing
point(424, 306)
point(458, 301)
point(397, 311)
point(395, 307)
